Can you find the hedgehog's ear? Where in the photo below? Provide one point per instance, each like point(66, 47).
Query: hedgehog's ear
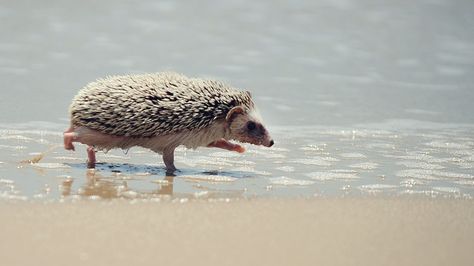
point(233, 113)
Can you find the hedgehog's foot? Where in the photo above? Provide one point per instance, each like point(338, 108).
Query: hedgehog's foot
point(90, 157)
point(69, 137)
point(226, 145)
point(168, 159)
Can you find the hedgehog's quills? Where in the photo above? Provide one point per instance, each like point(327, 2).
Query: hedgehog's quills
point(161, 112)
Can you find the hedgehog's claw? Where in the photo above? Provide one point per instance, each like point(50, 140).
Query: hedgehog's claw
point(226, 145)
point(238, 148)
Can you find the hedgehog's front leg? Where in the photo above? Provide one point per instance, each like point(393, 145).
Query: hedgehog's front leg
point(168, 159)
point(226, 145)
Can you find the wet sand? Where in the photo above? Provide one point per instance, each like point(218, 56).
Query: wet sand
point(336, 231)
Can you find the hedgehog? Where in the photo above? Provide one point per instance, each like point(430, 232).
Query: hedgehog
point(160, 112)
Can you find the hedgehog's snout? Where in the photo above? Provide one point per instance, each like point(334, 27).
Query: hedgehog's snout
point(268, 143)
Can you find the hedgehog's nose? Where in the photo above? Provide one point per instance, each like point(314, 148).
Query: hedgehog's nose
point(271, 143)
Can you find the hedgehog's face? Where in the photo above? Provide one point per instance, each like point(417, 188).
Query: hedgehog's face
point(246, 126)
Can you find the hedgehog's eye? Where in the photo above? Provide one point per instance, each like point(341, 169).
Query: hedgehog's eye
point(251, 126)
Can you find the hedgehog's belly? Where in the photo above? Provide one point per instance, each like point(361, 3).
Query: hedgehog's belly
point(101, 140)
point(105, 141)
point(190, 139)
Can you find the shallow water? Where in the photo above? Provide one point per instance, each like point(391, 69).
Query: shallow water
point(309, 161)
point(366, 98)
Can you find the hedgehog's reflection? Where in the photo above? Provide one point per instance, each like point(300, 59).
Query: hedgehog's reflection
point(97, 185)
point(112, 180)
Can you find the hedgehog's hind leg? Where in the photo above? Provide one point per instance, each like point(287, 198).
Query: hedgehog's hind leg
point(69, 136)
point(90, 157)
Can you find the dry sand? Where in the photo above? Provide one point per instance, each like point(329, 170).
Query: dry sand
point(373, 231)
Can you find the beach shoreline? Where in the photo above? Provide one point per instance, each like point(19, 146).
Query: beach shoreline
point(317, 231)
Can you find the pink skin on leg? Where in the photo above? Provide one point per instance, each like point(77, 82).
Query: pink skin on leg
point(226, 145)
point(91, 138)
point(91, 157)
point(69, 137)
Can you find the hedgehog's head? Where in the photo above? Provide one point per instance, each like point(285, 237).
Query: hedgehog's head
point(246, 126)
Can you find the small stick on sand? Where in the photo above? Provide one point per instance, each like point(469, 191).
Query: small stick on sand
point(40, 156)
